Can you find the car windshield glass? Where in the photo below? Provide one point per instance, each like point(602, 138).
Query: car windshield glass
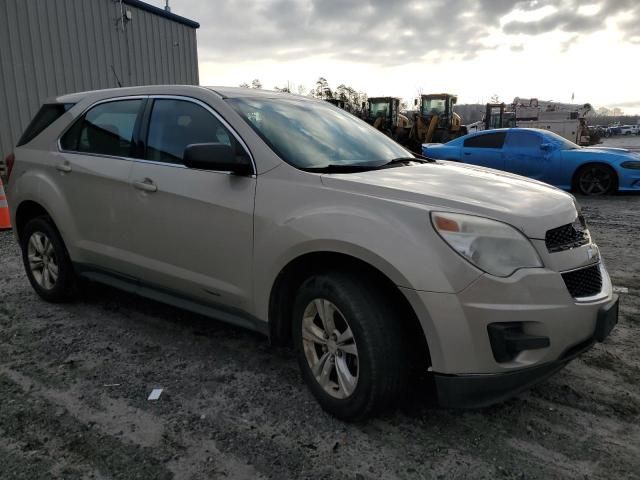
point(313, 135)
point(563, 143)
point(433, 106)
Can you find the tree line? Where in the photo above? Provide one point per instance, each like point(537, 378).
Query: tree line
point(352, 98)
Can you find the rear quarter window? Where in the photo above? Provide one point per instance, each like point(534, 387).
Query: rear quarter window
point(47, 114)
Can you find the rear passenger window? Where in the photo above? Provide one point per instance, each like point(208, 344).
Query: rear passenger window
point(106, 129)
point(488, 140)
point(175, 124)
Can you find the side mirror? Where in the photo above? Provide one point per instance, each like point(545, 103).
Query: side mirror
point(215, 156)
point(546, 147)
point(415, 102)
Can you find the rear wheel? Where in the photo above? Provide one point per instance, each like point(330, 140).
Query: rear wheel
point(46, 260)
point(350, 347)
point(596, 180)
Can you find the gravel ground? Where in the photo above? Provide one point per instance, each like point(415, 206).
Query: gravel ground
point(74, 381)
point(630, 142)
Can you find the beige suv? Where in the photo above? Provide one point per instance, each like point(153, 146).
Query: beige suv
point(294, 218)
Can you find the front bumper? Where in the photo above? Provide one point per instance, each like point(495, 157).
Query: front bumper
point(480, 390)
point(456, 326)
point(629, 181)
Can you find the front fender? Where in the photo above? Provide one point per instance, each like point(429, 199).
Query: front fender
point(394, 237)
point(605, 158)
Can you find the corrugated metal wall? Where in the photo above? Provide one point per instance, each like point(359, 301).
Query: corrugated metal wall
point(52, 47)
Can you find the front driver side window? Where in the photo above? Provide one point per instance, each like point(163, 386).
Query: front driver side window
point(487, 140)
point(528, 140)
point(175, 124)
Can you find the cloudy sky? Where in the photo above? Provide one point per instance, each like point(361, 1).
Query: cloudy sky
point(548, 49)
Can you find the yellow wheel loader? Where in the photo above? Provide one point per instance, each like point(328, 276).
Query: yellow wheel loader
point(435, 121)
point(384, 114)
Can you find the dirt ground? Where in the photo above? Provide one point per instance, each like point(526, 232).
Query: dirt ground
point(74, 381)
point(630, 142)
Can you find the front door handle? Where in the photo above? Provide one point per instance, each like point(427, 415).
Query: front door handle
point(146, 185)
point(64, 167)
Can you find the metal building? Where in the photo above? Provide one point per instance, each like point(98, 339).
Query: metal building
point(52, 47)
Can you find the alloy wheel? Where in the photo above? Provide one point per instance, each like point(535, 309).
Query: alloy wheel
point(42, 260)
point(595, 181)
point(330, 348)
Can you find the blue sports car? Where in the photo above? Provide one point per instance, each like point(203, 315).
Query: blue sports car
point(547, 157)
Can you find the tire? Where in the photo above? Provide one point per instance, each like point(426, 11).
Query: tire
point(371, 364)
point(43, 254)
point(595, 180)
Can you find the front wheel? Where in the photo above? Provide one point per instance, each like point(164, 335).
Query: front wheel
point(596, 180)
point(349, 345)
point(46, 260)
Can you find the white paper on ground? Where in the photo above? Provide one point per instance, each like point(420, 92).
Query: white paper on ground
point(155, 394)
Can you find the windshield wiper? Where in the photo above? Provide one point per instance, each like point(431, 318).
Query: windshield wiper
point(345, 168)
point(336, 168)
point(417, 158)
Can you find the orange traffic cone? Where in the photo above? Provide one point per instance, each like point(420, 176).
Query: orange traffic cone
point(5, 222)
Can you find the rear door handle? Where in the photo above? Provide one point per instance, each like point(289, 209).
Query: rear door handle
point(64, 167)
point(146, 185)
point(467, 153)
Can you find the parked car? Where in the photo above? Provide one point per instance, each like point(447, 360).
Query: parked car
point(614, 130)
point(545, 156)
point(294, 218)
point(629, 130)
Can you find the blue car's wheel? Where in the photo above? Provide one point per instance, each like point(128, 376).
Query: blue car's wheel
point(596, 180)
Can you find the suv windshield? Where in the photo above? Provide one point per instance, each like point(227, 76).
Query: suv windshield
point(315, 135)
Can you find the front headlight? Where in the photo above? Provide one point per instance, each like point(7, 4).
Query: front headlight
point(492, 246)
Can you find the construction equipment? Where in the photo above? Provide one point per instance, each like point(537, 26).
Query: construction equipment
point(565, 119)
point(435, 121)
point(497, 117)
point(337, 102)
point(384, 114)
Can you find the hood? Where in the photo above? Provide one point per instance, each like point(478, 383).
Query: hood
point(606, 150)
point(529, 205)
